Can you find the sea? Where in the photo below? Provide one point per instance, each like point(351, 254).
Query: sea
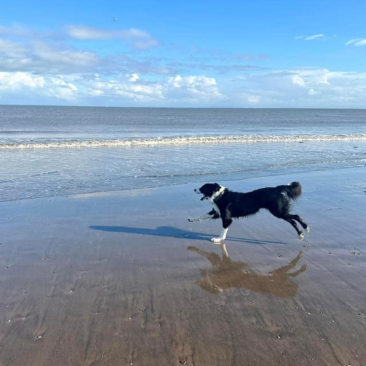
point(50, 151)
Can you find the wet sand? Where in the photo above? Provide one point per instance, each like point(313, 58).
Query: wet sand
point(124, 279)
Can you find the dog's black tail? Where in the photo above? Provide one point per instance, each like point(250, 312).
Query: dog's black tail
point(292, 190)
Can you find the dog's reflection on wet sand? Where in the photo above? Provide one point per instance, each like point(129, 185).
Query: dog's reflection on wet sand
point(226, 273)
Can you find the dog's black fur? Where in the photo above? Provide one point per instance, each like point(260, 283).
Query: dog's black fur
point(229, 205)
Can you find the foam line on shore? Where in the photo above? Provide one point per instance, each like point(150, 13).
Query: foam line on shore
point(185, 140)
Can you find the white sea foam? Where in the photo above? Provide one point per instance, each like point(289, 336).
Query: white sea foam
point(188, 140)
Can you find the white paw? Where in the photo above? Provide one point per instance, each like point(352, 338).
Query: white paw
point(308, 229)
point(192, 220)
point(217, 240)
point(302, 236)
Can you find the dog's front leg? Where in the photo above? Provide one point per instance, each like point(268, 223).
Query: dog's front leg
point(222, 236)
point(225, 223)
point(210, 215)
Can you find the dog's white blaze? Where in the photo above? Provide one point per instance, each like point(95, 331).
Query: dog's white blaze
point(216, 208)
point(216, 195)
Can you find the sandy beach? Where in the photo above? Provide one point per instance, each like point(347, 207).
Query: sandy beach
point(123, 278)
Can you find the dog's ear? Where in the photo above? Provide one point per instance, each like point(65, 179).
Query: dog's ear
point(216, 186)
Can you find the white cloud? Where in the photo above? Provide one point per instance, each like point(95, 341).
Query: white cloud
point(12, 49)
point(192, 89)
point(221, 69)
point(254, 99)
point(14, 30)
point(284, 88)
point(27, 85)
point(61, 89)
point(19, 80)
point(50, 53)
point(298, 80)
point(123, 89)
point(134, 33)
point(63, 56)
point(303, 88)
point(45, 58)
point(85, 33)
point(138, 38)
point(315, 36)
point(95, 92)
point(88, 33)
point(313, 92)
point(133, 77)
point(310, 38)
point(351, 41)
point(127, 89)
point(357, 42)
point(145, 44)
point(247, 57)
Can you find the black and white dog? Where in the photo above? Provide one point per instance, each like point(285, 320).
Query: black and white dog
point(229, 205)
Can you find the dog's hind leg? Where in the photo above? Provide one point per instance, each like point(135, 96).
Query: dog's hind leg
point(294, 224)
point(281, 209)
point(302, 223)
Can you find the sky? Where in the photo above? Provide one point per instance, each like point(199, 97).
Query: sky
point(191, 53)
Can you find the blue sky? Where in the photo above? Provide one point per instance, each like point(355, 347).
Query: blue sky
point(184, 54)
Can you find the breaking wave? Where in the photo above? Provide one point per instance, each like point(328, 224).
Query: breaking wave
point(187, 140)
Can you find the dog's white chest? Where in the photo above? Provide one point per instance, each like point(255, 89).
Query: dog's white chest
point(215, 208)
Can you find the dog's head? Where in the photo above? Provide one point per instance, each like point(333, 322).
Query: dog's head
point(208, 190)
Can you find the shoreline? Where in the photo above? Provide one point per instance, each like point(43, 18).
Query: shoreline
point(187, 185)
point(121, 278)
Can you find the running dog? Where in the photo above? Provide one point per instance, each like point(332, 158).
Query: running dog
point(228, 205)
